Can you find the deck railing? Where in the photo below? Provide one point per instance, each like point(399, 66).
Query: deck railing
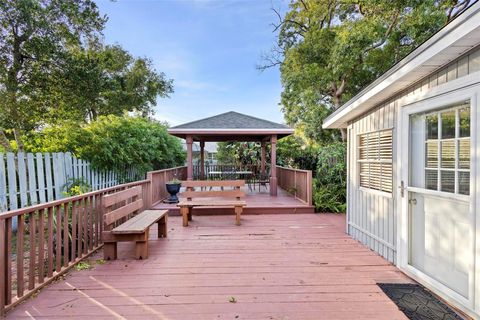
point(160, 177)
point(50, 239)
point(297, 182)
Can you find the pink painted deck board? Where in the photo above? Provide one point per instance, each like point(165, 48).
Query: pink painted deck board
point(291, 266)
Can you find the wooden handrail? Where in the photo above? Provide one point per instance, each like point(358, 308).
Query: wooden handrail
point(40, 206)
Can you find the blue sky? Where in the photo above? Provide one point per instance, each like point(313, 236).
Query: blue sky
point(210, 49)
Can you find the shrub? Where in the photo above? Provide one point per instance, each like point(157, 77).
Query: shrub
point(330, 185)
point(113, 143)
point(75, 187)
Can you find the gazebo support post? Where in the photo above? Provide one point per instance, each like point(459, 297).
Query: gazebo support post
point(273, 165)
point(202, 160)
point(189, 140)
point(263, 160)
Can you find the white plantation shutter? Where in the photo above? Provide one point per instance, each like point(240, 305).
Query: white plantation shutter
point(375, 156)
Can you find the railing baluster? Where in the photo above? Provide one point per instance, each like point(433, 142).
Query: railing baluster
point(85, 227)
point(74, 230)
point(8, 260)
point(50, 242)
point(32, 250)
point(91, 236)
point(20, 273)
point(79, 231)
point(58, 242)
point(41, 246)
point(66, 235)
point(96, 225)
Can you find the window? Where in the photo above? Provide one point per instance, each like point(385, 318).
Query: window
point(447, 150)
point(375, 154)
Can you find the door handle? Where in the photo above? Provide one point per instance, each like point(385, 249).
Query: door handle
point(412, 201)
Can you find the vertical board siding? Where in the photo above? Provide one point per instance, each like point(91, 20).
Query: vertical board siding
point(370, 215)
point(29, 179)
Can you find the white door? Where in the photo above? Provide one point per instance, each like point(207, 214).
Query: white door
point(437, 201)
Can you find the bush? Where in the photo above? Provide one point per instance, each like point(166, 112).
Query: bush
point(75, 187)
point(330, 185)
point(113, 143)
point(294, 153)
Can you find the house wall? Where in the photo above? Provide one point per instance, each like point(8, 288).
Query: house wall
point(371, 214)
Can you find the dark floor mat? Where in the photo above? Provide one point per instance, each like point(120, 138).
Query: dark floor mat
point(417, 303)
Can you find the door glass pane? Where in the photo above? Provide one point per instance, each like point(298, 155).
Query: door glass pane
point(464, 154)
point(432, 126)
point(448, 124)
point(448, 154)
point(440, 149)
point(447, 181)
point(464, 183)
point(432, 154)
point(464, 122)
point(431, 179)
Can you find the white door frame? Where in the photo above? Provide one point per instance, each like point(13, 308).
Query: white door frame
point(452, 93)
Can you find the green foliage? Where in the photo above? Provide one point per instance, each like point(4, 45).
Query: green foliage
point(83, 265)
point(241, 153)
point(35, 37)
point(54, 69)
point(113, 143)
point(226, 153)
point(330, 180)
point(293, 152)
point(104, 80)
point(330, 50)
point(75, 187)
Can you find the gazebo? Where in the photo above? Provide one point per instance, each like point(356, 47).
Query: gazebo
point(233, 126)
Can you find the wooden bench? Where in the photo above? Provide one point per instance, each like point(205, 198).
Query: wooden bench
point(211, 198)
point(126, 205)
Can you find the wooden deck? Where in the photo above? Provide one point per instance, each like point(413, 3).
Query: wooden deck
point(258, 202)
point(300, 266)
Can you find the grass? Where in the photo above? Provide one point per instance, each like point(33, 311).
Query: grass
point(83, 265)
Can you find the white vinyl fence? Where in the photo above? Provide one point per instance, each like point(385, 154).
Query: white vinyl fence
point(27, 179)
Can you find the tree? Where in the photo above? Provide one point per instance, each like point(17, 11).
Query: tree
point(241, 153)
point(104, 80)
point(35, 36)
point(113, 143)
point(329, 50)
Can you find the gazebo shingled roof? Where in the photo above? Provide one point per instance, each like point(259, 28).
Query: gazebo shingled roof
point(232, 126)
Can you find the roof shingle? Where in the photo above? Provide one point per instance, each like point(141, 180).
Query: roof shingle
point(231, 120)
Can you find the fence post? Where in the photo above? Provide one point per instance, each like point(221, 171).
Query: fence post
point(309, 188)
point(150, 189)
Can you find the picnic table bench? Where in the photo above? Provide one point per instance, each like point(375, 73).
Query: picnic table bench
point(124, 222)
point(212, 198)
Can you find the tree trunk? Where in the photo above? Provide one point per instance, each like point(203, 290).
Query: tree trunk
point(337, 98)
point(18, 139)
point(4, 142)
